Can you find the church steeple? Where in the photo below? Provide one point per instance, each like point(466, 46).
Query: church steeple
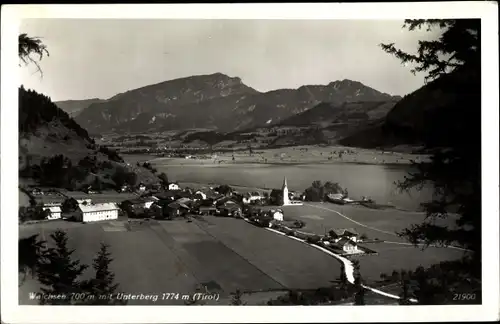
point(286, 199)
point(285, 185)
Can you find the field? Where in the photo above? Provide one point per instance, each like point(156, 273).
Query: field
point(395, 254)
point(300, 155)
point(176, 256)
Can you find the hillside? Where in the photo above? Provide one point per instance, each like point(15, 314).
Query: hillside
point(216, 102)
point(75, 107)
point(326, 114)
point(439, 113)
point(56, 151)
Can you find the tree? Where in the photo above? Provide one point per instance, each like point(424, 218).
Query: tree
point(343, 281)
point(103, 285)
point(163, 178)
point(122, 177)
point(29, 46)
point(359, 297)
point(236, 298)
point(58, 272)
point(97, 184)
point(69, 205)
point(453, 66)
point(224, 190)
point(405, 287)
point(30, 252)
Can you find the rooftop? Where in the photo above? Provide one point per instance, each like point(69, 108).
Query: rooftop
point(344, 231)
point(54, 209)
point(98, 207)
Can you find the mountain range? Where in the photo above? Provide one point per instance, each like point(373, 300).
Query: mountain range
point(224, 104)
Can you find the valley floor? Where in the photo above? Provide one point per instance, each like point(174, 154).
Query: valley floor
point(292, 155)
point(175, 256)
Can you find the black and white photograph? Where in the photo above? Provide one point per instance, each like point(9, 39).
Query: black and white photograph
point(234, 157)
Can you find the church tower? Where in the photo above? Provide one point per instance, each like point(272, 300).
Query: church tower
point(286, 199)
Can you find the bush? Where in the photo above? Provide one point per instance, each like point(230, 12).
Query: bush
point(313, 239)
point(317, 191)
point(123, 177)
point(298, 224)
point(112, 154)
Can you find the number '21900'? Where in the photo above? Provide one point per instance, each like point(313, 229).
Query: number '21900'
point(462, 297)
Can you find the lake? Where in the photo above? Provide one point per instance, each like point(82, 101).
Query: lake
point(375, 181)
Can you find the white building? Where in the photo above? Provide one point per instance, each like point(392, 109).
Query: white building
point(148, 203)
point(97, 212)
point(277, 214)
point(86, 201)
point(54, 212)
point(251, 197)
point(142, 187)
point(201, 194)
point(348, 246)
point(286, 198)
point(340, 233)
point(173, 186)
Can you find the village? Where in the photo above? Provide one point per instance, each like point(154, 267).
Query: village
point(169, 201)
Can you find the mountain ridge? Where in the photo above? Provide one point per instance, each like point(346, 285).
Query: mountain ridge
point(214, 101)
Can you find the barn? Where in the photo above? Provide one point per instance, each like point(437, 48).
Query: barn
point(97, 212)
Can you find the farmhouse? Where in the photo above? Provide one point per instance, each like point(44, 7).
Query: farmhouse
point(166, 195)
point(97, 212)
point(200, 195)
point(173, 186)
point(251, 197)
point(347, 245)
point(177, 209)
point(230, 210)
point(340, 233)
point(277, 214)
point(139, 203)
point(54, 212)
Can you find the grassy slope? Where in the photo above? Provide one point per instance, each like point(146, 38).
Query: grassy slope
point(46, 130)
point(174, 256)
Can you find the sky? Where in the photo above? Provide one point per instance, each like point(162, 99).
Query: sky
point(98, 58)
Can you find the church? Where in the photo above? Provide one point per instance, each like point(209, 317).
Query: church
point(281, 197)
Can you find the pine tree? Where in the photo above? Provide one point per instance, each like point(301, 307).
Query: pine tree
point(359, 297)
point(405, 287)
point(30, 251)
point(58, 272)
point(344, 283)
point(29, 46)
point(236, 298)
point(102, 286)
point(452, 135)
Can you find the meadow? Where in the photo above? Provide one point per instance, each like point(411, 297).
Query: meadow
point(395, 254)
point(176, 256)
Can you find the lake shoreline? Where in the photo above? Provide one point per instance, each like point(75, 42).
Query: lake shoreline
point(294, 155)
point(268, 163)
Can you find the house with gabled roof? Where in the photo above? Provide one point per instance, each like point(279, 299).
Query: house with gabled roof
point(338, 233)
point(54, 212)
point(96, 212)
point(347, 245)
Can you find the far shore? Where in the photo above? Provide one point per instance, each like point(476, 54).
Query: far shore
point(299, 155)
